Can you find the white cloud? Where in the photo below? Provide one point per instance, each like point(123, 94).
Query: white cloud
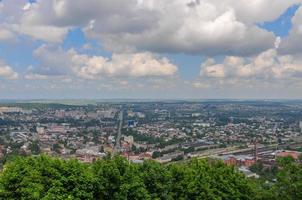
point(22, 17)
point(6, 35)
point(7, 72)
point(278, 42)
point(210, 69)
point(34, 76)
point(46, 33)
point(200, 85)
point(27, 6)
point(258, 11)
point(268, 66)
point(136, 31)
point(96, 67)
point(292, 43)
point(209, 27)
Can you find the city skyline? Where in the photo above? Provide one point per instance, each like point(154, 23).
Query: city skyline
point(145, 49)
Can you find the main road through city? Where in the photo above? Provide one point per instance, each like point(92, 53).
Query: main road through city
point(119, 133)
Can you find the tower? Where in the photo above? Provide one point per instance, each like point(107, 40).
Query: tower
point(255, 149)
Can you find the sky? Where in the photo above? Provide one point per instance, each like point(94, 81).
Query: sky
point(150, 49)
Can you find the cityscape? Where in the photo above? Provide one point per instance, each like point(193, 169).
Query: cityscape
point(150, 100)
point(239, 133)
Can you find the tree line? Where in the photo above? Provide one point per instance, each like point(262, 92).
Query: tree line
point(45, 177)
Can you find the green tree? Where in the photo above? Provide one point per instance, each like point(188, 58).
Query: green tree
point(156, 154)
point(289, 180)
point(56, 148)
point(44, 177)
point(35, 147)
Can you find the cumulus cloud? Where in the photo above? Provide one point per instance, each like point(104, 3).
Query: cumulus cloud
point(5, 35)
point(209, 27)
point(7, 72)
point(267, 66)
point(96, 67)
point(19, 16)
point(45, 33)
point(292, 43)
point(241, 52)
point(34, 76)
point(259, 10)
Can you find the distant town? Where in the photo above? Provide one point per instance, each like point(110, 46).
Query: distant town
point(240, 133)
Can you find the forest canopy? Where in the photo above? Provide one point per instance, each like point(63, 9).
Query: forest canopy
point(44, 177)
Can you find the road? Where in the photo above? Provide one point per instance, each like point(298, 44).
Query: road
point(119, 133)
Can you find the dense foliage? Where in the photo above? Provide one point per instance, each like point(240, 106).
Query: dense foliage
point(43, 177)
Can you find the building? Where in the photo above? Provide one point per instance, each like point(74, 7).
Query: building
point(132, 123)
point(89, 155)
point(300, 125)
point(201, 124)
point(129, 139)
point(10, 110)
point(40, 130)
point(229, 160)
point(293, 154)
point(246, 161)
point(241, 160)
point(196, 114)
point(1, 151)
point(170, 156)
point(57, 129)
point(60, 113)
point(18, 136)
point(248, 173)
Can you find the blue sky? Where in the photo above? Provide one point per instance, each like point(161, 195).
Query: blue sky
point(282, 25)
point(142, 49)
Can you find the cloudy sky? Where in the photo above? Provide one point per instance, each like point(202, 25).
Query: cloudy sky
point(159, 49)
